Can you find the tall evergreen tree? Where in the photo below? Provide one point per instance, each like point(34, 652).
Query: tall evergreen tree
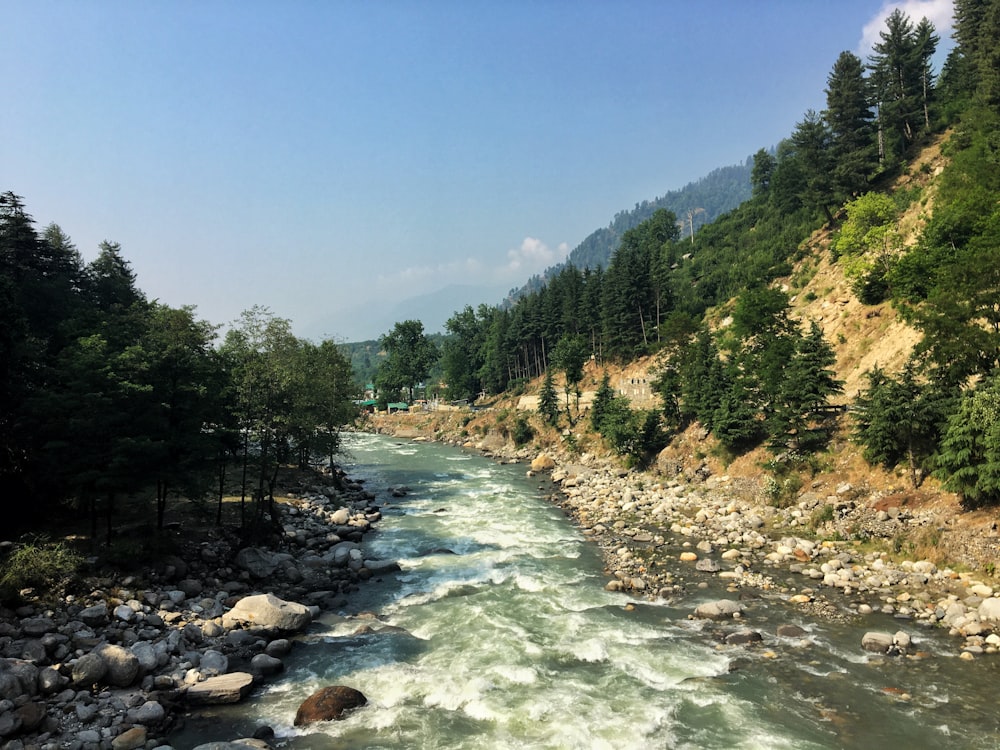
point(848, 115)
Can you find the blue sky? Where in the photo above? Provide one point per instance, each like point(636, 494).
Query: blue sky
point(329, 159)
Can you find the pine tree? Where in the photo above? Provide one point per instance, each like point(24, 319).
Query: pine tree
point(848, 114)
point(548, 401)
point(969, 457)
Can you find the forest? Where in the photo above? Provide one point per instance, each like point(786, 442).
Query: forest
point(105, 394)
point(762, 378)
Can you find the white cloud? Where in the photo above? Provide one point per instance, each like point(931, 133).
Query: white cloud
point(534, 255)
point(938, 12)
point(531, 257)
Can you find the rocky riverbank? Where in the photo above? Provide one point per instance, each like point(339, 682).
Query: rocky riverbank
point(662, 531)
point(116, 667)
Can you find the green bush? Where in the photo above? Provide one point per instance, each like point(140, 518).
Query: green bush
point(522, 433)
point(39, 564)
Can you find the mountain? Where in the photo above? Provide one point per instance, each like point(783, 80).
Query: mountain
point(696, 204)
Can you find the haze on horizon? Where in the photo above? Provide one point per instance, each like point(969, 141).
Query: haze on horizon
point(329, 160)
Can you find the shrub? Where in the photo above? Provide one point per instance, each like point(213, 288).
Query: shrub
point(39, 564)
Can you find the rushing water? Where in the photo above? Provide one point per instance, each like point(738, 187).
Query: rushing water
point(503, 637)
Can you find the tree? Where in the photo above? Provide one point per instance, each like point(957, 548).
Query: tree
point(969, 458)
point(602, 400)
point(548, 402)
point(764, 164)
point(409, 356)
point(899, 420)
point(848, 115)
point(570, 356)
point(869, 245)
point(811, 139)
point(259, 351)
point(797, 415)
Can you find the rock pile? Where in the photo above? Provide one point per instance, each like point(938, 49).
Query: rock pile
point(109, 670)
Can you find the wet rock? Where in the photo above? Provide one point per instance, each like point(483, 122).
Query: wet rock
point(257, 562)
point(266, 665)
point(240, 744)
point(718, 610)
point(877, 642)
point(744, 638)
point(790, 631)
point(329, 703)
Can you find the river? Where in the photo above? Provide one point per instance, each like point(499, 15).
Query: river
point(502, 636)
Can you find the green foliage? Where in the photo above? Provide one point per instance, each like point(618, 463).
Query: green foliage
point(969, 458)
point(409, 357)
point(522, 434)
point(548, 401)
point(48, 567)
point(900, 420)
point(868, 245)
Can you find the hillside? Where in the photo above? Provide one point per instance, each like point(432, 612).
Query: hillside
point(862, 336)
point(698, 203)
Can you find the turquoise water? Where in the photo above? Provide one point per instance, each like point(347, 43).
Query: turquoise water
point(502, 636)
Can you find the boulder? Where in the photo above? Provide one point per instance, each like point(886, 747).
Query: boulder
point(227, 688)
point(877, 642)
point(743, 638)
point(543, 462)
point(130, 739)
point(94, 616)
point(269, 612)
point(989, 610)
point(263, 664)
point(89, 669)
point(720, 610)
point(122, 665)
point(328, 704)
point(257, 562)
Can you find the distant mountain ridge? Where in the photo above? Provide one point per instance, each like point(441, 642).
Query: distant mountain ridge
point(697, 203)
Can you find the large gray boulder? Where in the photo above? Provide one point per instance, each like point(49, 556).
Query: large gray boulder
point(258, 563)
point(123, 665)
point(89, 669)
point(269, 612)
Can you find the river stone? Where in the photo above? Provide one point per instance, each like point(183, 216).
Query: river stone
point(50, 681)
point(145, 653)
point(278, 647)
point(989, 609)
point(328, 703)
point(790, 631)
point(213, 663)
point(266, 665)
point(227, 688)
point(876, 642)
point(268, 611)
point(89, 669)
point(35, 627)
point(123, 665)
point(543, 462)
point(10, 724)
point(744, 638)
point(718, 610)
point(340, 517)
point(257, 562)
point(130, 739)
point(240, 744)
point(94, 616)
point(31, 715)
point(149, 713)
